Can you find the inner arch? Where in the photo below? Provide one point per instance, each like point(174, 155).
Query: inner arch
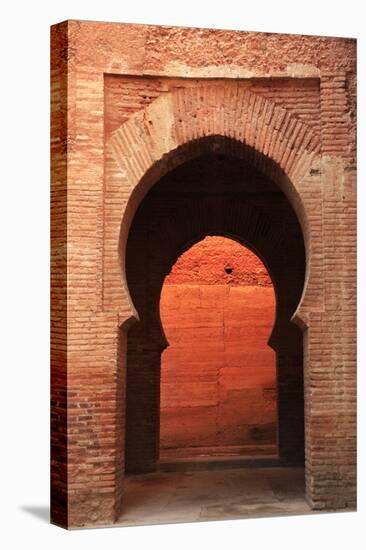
point(218, 375)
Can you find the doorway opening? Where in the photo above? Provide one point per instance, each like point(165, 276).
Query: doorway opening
point(182, 419)
point(213, 195)
point(218, 384)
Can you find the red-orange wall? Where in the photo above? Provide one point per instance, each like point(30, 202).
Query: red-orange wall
point(218, 375)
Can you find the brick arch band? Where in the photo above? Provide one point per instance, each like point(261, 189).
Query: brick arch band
point(183, 125)
point(180, 126)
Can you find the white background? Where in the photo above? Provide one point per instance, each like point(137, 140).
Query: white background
point(24, 218)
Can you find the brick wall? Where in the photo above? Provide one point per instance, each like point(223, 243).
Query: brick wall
point(59, 456)
point(130, 103)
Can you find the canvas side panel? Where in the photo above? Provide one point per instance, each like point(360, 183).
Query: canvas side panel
point(59, 48)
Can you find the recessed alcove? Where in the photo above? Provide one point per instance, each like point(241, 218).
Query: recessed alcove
point(254, 232)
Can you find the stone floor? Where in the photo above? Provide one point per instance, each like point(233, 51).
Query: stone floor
point(174, 497)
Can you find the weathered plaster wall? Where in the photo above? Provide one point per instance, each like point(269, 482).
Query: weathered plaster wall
point(218, 375)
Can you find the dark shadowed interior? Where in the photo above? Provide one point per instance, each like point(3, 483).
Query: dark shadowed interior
point(213, 196)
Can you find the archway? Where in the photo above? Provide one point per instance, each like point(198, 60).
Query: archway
point(128, 130)
point(181, 127)
point(218, 396)
point(213, 194)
